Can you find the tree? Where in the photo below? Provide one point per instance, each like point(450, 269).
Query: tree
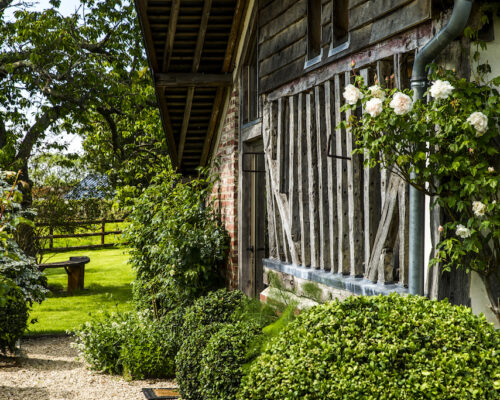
point(83, 73)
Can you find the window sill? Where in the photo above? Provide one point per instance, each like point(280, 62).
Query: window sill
point(314, 61)
point(340, 48)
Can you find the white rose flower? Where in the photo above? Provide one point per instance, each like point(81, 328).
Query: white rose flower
point(478, 208)
point(401, 103)
point(462, 231)
point(377, 91)
point(374, 107)
point(479, 121)
point(441, 89)
point(352, 94)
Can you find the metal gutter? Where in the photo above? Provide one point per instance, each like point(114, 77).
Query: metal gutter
point(456, 25)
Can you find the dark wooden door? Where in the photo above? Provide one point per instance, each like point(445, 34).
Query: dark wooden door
point(254, 238)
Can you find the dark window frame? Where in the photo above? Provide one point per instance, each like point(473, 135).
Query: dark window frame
point(249, 85)
point(340, 27)
point(314, 32)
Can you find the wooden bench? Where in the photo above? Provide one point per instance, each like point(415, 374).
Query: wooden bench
point(74, 267)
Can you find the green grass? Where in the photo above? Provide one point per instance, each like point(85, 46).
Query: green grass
point(107, 287)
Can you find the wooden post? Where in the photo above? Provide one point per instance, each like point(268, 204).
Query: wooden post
point(283, 154)
point(103, 231)
point(331, 171)
point(384, 69)
point(293, 169)
point(268, 149)
point(404, 231)
point(302, 180)
point(402, 82)
point(356, 236)
point(343, 224)
point(51, 239)
point(273, 129)
point(321, 150)
point(312, 178)
point(371, 197)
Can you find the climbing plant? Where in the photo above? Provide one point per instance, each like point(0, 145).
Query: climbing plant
point(451, 144)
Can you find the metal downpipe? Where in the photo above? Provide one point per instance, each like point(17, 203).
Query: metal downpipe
point(456, 25)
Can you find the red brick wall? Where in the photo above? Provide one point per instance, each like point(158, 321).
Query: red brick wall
point(225, 192)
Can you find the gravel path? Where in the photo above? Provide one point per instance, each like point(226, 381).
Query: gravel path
point(48, 370)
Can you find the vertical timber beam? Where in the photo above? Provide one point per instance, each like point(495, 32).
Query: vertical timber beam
point(331, 174)
point(384, 69)
point(283, 145)
point(302, 180)
point(271, 216)
point(293, 193)
point(371, 197)
point(321, 150)
point(356, 236)
point(342, 197)
point(402, 82)
point(312, 178)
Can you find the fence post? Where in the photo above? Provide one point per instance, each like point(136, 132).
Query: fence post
point(51, 239)
point(103, 231)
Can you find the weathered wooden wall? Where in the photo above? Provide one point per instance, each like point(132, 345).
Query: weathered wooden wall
point(283, 32)
point(332, 213)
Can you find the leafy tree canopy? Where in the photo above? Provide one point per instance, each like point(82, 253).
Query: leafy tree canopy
point(84, 73)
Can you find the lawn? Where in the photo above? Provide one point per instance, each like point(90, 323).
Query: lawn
point(107, 288)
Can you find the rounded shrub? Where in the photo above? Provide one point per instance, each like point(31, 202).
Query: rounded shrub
point(223, 358)
point(13, 314)
point(380, 347)
point(217, 306)
point(188, 361)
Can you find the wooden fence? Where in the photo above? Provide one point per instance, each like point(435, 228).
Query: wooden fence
point(102, 234)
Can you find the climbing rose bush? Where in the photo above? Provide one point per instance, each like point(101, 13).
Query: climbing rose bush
point(451, 142)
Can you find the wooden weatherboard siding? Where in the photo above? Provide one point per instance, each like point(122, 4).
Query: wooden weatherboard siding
point(283, 33)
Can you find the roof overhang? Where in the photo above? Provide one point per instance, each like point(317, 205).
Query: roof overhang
point(191, 47)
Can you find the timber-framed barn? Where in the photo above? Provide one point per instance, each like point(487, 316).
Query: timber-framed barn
point(254, 89)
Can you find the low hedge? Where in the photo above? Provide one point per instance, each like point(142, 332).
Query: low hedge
point(188, 361)
point(389, 347)
point(135, 345)
point(13, 314)
point(222, 360)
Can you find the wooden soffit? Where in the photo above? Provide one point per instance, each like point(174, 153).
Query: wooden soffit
point(191, 46)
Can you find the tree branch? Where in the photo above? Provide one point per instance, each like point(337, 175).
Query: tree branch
point(34, 133)
point(3, 134)
point(107, 115)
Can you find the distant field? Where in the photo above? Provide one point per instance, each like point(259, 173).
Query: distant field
point(107, 288)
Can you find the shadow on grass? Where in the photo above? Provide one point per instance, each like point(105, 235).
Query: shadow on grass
point(116, 293)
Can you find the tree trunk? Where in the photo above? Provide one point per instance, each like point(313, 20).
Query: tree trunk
point(25, 234)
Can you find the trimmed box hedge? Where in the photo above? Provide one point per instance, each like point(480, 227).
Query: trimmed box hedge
point(388, 347)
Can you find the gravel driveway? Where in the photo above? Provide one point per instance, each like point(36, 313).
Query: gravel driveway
point(48, 370)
